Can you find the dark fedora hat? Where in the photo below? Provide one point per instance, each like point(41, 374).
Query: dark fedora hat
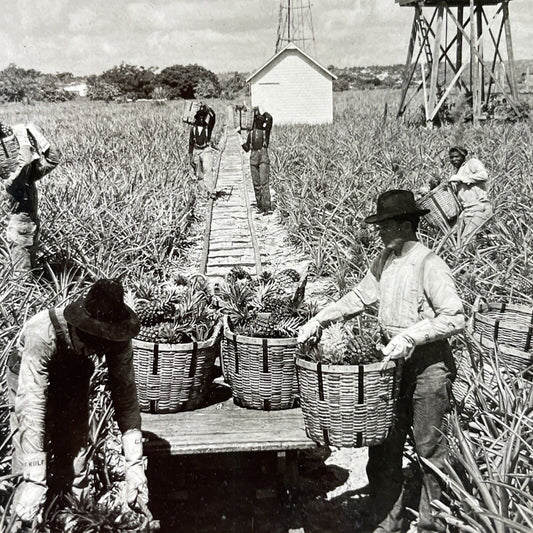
point(103, 313)
point(395, 203)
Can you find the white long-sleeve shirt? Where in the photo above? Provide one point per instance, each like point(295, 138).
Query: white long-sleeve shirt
point(471, 182)
point(416, 294)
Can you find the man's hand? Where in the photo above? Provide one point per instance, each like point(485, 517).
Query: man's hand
point(136, 483)
point(399, 347)
point(191, 161)
point(310, 332)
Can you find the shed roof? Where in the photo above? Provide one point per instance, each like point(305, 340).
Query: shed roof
point(291, 46)
point(450, 3)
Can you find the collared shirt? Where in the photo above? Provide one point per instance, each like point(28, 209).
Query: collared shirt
point(37, 347)
point(416, 294)
point(22, 194)
point(471, 182)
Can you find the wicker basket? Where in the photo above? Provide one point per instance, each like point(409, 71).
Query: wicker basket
point(479, 363)
point(261, 372)
point(247, 119)
point(174, 377)
point(9, 149)
point(506, 324)
point(348, 405)
point(191, 107)
point(443, 205)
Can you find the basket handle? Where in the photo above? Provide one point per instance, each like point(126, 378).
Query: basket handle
point(478, 307)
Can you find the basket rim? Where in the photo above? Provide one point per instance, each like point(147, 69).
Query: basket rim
point(486, 342)
point(282, 341)
point(439, 188)
point(495, 305)
point(343, 369)
point(181, 346)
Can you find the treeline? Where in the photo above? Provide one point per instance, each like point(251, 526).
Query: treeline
point(127, 82)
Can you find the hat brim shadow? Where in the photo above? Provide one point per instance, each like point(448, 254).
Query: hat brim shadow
point(123, 330)
point(375, 219)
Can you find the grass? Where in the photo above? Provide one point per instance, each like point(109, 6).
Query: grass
point(121, 204)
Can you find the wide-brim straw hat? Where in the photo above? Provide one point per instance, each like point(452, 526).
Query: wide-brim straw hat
point(103, 313)
point(395, 203)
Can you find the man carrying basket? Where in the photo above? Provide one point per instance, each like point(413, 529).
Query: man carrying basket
point(419, 308)
point(36, 157)
point(48, 382)
point(470, 183)
point(200, 149)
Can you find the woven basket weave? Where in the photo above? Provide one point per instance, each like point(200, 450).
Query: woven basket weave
point(348, 405)
point(479, 363)
point(174, 377)
point(247, 119)
point(261, 372)
point(443, 205)
point(190, 108)
point(506, 324)
point(9, 149)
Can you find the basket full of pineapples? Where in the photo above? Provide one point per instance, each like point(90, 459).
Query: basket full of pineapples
point(261, 322)
point(174, 353)
point(347, 393)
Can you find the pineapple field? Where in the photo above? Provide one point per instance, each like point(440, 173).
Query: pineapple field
point(122, 204)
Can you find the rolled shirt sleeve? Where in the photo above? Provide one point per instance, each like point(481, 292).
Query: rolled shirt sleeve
point(123, 388)
point(445, 315)
point(472, 171)
point(37, 347)
point(365, 294)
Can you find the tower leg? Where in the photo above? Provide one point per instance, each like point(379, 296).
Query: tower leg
point(510, 54)
point(408, 71)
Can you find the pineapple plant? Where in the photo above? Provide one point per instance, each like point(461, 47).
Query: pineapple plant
point(345, 343)
point(257, 308)
point(177, 310)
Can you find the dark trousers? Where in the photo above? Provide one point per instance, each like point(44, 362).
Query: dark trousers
point(66, 424)
point(424, 401)
point(260, 169)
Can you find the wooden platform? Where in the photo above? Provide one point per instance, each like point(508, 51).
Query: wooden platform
point(224, 427)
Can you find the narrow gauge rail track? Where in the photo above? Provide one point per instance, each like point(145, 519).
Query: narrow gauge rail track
point(230, 238)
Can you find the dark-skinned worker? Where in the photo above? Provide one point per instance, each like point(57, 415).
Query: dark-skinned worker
point(200, 149)
point(35, 159)
point(48, 381)
point(257, 143)
point(419, 309)
point(470, 183)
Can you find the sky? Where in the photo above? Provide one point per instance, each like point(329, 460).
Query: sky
point(88, 37)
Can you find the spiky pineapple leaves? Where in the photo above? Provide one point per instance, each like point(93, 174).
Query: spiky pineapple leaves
point(344, 343)
point(266, 306)
point(176, 310)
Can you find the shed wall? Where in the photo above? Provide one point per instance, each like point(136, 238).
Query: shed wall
point(294, 90)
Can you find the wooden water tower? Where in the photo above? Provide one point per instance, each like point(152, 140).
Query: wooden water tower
point(443, 34)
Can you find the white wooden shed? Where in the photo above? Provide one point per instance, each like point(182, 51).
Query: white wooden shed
point(294, 88)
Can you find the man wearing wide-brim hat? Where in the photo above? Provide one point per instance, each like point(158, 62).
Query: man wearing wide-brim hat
point(48, 380)
point(419, 308)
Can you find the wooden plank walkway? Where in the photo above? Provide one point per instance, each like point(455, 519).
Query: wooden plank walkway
point(230, 235)
point(224, 427)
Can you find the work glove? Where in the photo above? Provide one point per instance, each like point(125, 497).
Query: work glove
point(310, 332)
point(399, 347)
point(40, 139)
point(136, 483)
point(30, 495)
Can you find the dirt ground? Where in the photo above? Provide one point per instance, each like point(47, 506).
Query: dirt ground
point(241, 493)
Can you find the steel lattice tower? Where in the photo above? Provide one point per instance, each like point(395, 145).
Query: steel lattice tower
point(459, 45)
point(295, 25)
